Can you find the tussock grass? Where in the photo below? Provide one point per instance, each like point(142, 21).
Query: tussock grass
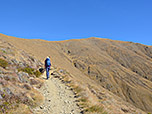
point(20, 109)
point(37, 73)
point(35, 99)
point(83, 101)
point(83, 105)
point(20, 105)
point(95, 108)
point(3, 63)
point(77, 89)
point(30, 71)
point(67, 79)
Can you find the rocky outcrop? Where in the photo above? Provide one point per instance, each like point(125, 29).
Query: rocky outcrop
point(16, 84)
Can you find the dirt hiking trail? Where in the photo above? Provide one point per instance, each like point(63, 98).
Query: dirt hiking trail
point(58, 98)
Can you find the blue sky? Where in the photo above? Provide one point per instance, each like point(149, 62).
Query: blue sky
point(55, 20)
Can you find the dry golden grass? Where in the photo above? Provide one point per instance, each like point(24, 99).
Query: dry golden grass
point(82, 100)
point(121, 68)
point(3, 63)
point(21, 109)
point(96, 108)
point(37, 98)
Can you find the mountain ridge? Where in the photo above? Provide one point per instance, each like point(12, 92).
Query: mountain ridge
point(76, 39)
point(119, 68)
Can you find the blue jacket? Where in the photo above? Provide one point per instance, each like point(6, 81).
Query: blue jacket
point(47, 62)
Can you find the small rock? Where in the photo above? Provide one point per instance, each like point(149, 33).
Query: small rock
point(14, 61)
point(8, 91)
point(124, 110)
point(76, 96)
point(1, 97)
point(7, 68)
point(65, 101)
point(21, 65)
point(82, 112)
point(41, 107)
point(61, 71)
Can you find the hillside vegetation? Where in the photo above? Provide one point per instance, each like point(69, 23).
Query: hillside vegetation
point(123, 68)
point(115, 74)
point(17, 84)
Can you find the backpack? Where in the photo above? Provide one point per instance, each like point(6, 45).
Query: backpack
point(47, 62)
point(41, 70)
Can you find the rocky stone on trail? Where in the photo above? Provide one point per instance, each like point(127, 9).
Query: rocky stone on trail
point(41, 107)
point(61, 71)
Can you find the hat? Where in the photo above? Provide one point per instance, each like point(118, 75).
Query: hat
point(48, 57)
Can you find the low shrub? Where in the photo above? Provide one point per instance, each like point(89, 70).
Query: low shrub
point(83, 100)
point(3, 63)
point(30, 71)
point(37, 73)
point(95, 108)
point(77, 89)
point(83, 105)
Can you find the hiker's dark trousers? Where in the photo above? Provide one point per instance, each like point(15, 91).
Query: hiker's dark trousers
point(47, 72)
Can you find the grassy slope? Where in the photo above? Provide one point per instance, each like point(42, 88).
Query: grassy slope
point(17, 86)
point(116, 66)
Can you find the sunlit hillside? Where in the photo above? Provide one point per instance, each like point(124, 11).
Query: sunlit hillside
point(114, 74)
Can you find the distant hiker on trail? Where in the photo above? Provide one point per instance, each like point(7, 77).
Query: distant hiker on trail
point(47, 66)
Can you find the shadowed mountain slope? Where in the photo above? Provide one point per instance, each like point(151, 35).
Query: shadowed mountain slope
point(123, 70)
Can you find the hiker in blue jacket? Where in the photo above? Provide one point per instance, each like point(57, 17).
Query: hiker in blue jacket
point(47, 66)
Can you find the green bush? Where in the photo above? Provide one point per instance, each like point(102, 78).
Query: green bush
point(83, 99)
point(3, 63)
point(95, 108)
point(30, 71)
point(37, 73)
point(77, 89)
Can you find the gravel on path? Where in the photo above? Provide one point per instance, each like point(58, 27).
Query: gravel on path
point(59, 99)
